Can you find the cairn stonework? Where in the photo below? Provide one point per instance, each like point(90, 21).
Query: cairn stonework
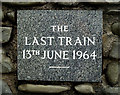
point(109, 56)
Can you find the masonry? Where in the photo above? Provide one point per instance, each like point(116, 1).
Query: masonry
point(110, 55)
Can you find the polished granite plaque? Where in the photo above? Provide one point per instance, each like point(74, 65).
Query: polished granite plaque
point(59, 45)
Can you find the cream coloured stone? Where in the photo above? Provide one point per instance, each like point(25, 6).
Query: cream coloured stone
point(85, 88)
point(42, 88)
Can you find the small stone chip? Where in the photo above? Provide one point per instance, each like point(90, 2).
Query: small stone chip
point(42, 88)
point(85, 88)
point(6, 33)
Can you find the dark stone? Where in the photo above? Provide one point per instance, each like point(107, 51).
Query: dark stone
point(21, 4)
point(38, 23)
point(116, 28)
point(11, 16)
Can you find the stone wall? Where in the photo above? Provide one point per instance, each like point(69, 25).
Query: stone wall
point(111, 57)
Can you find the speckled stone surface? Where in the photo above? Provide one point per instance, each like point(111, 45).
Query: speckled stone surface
point(37, 23)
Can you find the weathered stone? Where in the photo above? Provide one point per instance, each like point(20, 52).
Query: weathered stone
point(112, 90)
point(85, 88)
point(100, 2)
point(11, 16)
point(42, 88)
point(108, 39)
point(6, 64)
point(91, 1)
point(112, 72)
point(1, 15)
point(2, 51)
point(103, 1)
point(68, 3)
point(116, 28)
point(115, 51)
point(5, 88)
point(6, 33)
point(113, 1)
point(113, 12)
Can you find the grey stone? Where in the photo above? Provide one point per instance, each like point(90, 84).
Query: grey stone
point(6, 64)
point(116, 28)
point(38, 23)
point(108, 40)
point(6, 33)
point(112, 1)
point(112, 73)
point(5, 88)
point(85, 88)
point(1, 15)
point(42, 88)
point(112, 90)
point(115, 51)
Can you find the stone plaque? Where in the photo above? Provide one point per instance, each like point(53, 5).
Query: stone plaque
point(59, 45)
